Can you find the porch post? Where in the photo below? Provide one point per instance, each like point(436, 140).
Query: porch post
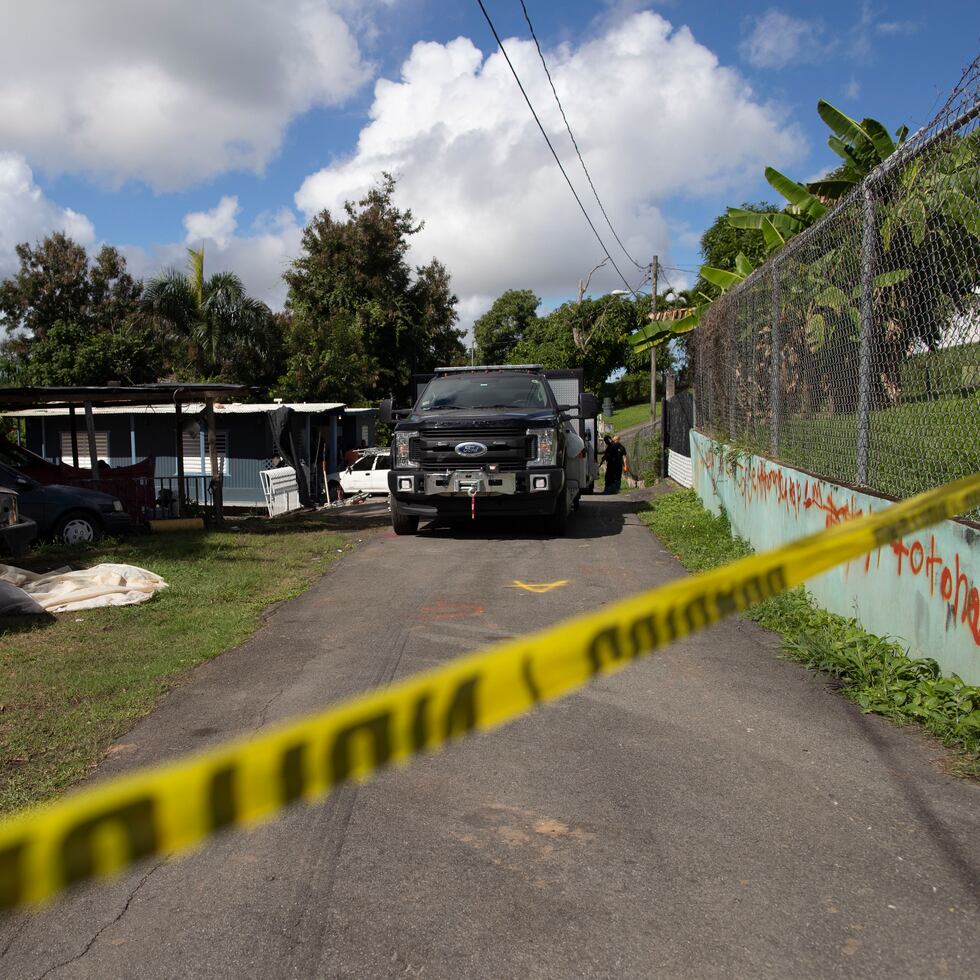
point(216, 474)
point(93, 451)
point(73, 423)
point(181, 494)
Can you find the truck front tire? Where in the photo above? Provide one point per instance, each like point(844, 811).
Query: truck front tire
point(558, 522)
point(402, 523)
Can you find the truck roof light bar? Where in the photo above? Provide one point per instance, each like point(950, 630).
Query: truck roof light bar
point(473, 368)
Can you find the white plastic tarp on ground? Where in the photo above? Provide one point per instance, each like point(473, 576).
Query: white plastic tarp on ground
point(66, 591)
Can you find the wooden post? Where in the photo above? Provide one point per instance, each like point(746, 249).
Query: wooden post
point(181, 489)
point(93, 451)
point(74, 435)
point(216, 474)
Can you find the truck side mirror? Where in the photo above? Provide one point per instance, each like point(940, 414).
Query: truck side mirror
point(588, 405)
point(385, 411)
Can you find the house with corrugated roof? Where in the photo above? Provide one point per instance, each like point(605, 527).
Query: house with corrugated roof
point(247, 442)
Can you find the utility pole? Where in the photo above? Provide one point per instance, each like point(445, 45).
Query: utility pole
point(654, 271)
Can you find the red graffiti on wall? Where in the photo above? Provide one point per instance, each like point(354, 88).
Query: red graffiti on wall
point(757, 480)
point(948, 582)
point(953, 582)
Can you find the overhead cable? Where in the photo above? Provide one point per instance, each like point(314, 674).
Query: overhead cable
point(568, 181)
point(585, 169)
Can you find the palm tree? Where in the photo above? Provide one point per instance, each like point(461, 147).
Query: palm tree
point(209, 320)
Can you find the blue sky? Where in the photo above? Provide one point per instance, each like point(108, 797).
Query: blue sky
point(233, 131)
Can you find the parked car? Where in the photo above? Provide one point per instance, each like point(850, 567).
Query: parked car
point(369, 474)
point(71, 515)
point(16, 531)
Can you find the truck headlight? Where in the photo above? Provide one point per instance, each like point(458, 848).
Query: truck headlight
point(400, 450)
point(545, 447)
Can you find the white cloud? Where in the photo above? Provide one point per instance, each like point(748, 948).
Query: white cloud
point(777, 40)
point(168, 93)
point(259, 259)
point(218, 224)
point(852, 89)
point(898, 26)
point(26, 215)
point(655, 116)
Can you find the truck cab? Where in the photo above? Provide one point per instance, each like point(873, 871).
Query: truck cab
point(490, 440)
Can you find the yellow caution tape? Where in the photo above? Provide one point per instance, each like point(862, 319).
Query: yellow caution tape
point(102, 829)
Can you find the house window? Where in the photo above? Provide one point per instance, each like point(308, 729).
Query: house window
point(101, 448)
point(197, 453)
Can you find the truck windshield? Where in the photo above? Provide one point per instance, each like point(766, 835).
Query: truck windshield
point(484, 391)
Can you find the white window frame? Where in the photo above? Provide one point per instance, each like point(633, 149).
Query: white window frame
point(84, 462)
point(198, 463)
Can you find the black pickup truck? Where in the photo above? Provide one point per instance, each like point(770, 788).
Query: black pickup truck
point(491, 440)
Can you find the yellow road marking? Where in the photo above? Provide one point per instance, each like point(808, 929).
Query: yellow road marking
point(539, 587)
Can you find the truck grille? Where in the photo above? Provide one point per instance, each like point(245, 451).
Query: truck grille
point(509, 449)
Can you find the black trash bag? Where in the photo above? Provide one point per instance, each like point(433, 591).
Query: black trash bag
point(286, 440)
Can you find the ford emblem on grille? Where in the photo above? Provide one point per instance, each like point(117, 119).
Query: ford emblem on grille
point(470, 449)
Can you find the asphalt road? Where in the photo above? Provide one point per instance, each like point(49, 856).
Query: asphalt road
point(711, 812)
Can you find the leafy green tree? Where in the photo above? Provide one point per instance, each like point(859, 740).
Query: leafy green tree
point(211, 327)
point(51, 286)
point(69, 354)
point(327, 360)
point(496, 332)
point(592, 334)
point(360, 323)
point(72, 321)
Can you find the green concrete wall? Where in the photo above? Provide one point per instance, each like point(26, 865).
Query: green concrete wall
point(921, 591)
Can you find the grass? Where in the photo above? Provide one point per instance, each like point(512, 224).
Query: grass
point(630, 415)
point(873, 672)
point(75, 682)
point(912, 447)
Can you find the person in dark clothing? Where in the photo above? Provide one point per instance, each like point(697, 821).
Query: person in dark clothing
point(615, 459)
point(604, 460)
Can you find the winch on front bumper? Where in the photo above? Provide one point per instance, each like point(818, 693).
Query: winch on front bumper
point(528, 492)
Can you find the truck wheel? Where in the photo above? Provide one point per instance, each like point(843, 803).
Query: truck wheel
point(558, 522)
point(402, 523)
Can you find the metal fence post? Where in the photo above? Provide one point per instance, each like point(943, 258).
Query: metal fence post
point(868, 234)
point(775, 406)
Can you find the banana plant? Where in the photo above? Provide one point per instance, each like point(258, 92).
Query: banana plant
point(659, 332)
point(777, 227)
point(861, 145)
point(946, 186)
point(830, 298)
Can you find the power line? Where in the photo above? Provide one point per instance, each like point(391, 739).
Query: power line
point(578, 200)
point(561, 109)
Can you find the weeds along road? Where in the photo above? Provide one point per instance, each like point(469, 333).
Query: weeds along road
point(711, 812)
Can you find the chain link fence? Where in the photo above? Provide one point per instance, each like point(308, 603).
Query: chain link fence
point(854, 352)
point(643, 450)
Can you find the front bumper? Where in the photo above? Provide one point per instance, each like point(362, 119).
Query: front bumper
point(17, 538)
point(530, 492)
point(117, 522)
